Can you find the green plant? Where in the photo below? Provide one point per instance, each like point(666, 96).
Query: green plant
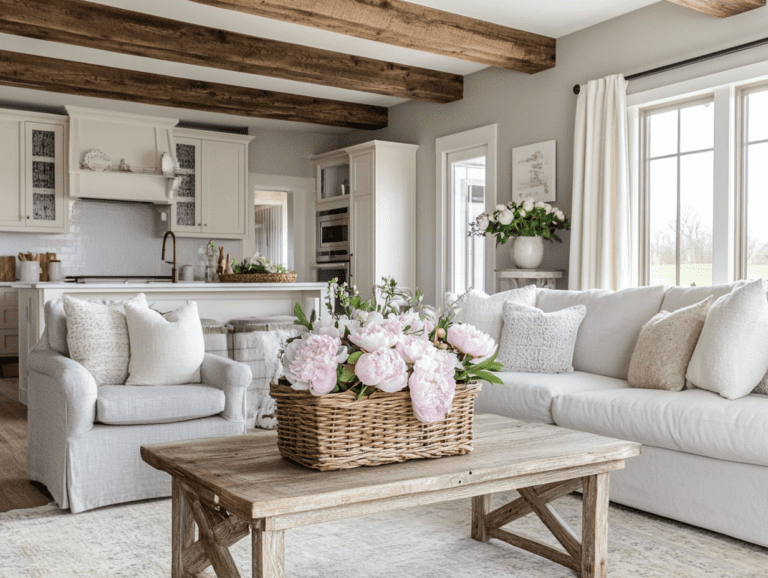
point(525, 219)
point(258, 264)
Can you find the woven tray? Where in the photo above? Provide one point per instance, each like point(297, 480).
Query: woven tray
point(257, 277)
point(335, 432)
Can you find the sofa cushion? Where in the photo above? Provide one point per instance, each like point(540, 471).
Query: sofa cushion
point(56, 325)
point(678, 297)
point(485, 311)
point(97, 336)
point(166, 349)
point(126, 405)
point(665, 346)
point(693, 421)
point(538, 342)
point(608, 334)
point(731, 356)
point(528, 396)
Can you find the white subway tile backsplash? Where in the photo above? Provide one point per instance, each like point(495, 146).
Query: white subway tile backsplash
point(110, 238)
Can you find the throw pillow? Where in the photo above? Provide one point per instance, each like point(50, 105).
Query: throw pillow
point(731, 356)
point(165, 349)
point(97, 336)
point(536, 342)
point(485, 311)
point(665, 346)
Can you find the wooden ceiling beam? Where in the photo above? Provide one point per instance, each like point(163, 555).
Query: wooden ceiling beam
point(68, 77)
point(102, 27)
point(411, 26)
point(721, 8)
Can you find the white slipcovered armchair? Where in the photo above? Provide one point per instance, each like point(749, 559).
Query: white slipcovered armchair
point(84, 439)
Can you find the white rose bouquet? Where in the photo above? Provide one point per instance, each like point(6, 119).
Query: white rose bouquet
point(257, 264)
point(391, 343)
point(526, 219)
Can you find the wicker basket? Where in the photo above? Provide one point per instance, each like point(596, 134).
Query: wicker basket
point(336, 432)
point(257, 277)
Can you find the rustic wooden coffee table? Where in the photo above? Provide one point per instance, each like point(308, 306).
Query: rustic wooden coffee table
point(235, 486)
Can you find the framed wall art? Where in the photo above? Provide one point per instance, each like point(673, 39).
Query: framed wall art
point(534, 172)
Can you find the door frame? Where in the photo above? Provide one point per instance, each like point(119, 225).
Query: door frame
point(484, 135)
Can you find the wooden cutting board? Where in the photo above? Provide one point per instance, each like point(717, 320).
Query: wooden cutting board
point(8, 268)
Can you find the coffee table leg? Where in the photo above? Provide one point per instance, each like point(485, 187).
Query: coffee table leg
point(182, 529)
point(594, 538)
point(481, 506)
point(268, 551)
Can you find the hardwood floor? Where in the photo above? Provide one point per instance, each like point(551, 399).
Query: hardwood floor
point(16, 490)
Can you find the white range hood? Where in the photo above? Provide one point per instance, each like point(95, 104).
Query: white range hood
point(140, 140)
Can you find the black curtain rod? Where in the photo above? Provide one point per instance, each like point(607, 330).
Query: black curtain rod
point(682, 63)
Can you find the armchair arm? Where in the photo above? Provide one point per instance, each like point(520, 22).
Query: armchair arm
point(61, 387)
point(233, 378)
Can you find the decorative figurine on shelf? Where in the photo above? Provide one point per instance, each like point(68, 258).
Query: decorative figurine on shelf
point(124, 166)
point(228, 268)
point(222, 262)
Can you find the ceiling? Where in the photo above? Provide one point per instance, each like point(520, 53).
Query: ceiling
point(553, 18)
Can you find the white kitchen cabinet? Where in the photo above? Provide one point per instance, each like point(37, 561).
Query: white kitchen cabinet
point(32, 172)
point(212, 198)
point(382, 214)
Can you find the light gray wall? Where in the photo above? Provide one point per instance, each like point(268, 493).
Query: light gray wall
point(287, 153)
point(541, 107)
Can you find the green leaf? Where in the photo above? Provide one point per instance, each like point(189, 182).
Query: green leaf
point(488, 376)
point(301, 318)
point(354, 357)
point(346, 375)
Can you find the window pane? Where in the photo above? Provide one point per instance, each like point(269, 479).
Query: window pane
point(663, 221)
point(468, 178)
point(757, 209)
point(757, 104)
point(697, 127)
point(696, 207)
point(663, 133)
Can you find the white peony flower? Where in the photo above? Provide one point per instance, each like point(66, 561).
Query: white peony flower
point(547, 208)
point(506, 217)
point(483, 222)
point(539, 204)
point(528, 205)
point(522, 213)
point(500, 207)
point(559, 214)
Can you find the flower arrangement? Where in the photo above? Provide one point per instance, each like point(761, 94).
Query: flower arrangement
point(526, 219)
point(257, 264)
point(390, 343)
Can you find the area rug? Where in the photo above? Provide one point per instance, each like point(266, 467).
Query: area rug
point(134, 540)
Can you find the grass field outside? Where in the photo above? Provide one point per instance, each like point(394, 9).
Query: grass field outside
point(699, 275)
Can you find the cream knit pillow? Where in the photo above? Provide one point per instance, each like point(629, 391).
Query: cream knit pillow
point(485, 311)
point(731, 356)
point(97, 336)
point(665, 346)
point(165, 349)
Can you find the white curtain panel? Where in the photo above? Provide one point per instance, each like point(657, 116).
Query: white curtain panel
point(601, 211)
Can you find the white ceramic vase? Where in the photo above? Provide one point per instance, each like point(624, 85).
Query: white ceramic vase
point(527, 252)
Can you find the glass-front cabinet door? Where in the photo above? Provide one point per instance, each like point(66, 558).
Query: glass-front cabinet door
point(44, 175)
point(188, 206)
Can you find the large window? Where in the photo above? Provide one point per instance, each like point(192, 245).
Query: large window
point(700, 166)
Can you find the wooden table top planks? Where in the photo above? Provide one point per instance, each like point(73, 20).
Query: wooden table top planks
point(248, 477)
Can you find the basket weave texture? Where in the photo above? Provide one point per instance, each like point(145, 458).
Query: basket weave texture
point(257, 277)
point(336, 432)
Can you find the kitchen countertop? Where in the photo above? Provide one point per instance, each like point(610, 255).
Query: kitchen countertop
point(165, 285)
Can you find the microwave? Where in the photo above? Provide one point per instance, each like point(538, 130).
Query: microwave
point(333, 230)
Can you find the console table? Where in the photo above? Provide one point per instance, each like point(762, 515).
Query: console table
point(515, 278)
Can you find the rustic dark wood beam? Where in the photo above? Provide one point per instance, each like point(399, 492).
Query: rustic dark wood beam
point(106, 28)
point(721, 8)
point(411, 26)
point(55, 75)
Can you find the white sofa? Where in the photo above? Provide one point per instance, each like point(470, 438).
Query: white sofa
point(704, 459)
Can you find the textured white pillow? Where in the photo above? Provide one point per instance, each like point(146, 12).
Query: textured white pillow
point(485, 311)
point(665, 347)
point(165, 349)
point(536, 342)
point(731, 356)
point(97, 336)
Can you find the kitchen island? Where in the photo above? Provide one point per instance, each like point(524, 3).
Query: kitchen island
point(219, 301)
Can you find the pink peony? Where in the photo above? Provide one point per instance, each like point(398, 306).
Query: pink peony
point(432, 386)
point(470, 340)
point(373, 337)
point(383, 368)
point(412, 321)
point(311, 363)
point(412, 348)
